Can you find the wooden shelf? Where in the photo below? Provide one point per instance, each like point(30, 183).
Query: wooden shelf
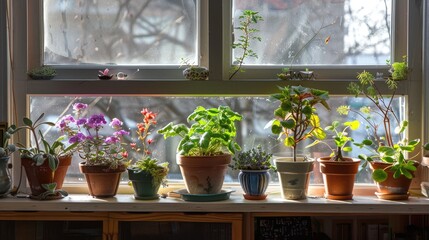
point(236, 204)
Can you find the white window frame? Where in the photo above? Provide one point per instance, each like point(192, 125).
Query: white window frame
point(216, 53)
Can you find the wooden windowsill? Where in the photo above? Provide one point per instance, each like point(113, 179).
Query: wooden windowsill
point(274, 203)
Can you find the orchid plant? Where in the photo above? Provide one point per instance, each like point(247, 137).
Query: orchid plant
point(92, 146)
point(146, 161)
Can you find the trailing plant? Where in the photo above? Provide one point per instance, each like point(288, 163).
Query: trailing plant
point(212, 132)
point(247, 18)
point(340, 137)
point(253, 159)
point(146, 162)
point(383, 124)
point(296, 118)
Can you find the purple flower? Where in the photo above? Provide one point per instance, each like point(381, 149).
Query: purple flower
point(116, 123)
point(79, 137)
point(81, 121)
point(121, 133)
point(63, 123)
point(79, 106)
point(96, 121)
point(111, 140)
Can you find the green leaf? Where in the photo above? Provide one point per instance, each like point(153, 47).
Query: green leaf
point(289, 124)
point(319, 133)
point(354, 125)
point(347, 149)
point(27, 122)
point(289, 142)
point(313, 143)
point(379, 175)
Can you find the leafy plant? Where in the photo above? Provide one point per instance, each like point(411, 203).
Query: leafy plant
point(341, 139)
point(296, 118)
point(212, 132)
point(147, 163)
point(253, 159)
point(7, 149)
point(247, 18)
point(383, 147)
point(426, 148)
point(43, 72)
point(50, 152)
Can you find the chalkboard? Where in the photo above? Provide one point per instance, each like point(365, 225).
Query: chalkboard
point(283, 228)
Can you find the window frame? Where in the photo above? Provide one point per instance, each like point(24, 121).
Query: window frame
point(27, 52)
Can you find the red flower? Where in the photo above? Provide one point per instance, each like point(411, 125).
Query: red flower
point(133, 145)
point(141, 127)
point(150, 141)
point(124, 154)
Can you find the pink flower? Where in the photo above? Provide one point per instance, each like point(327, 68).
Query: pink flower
point(150, 141)
point(111, 140)
point(79, 106)
point(115, 123)
point(121, 133)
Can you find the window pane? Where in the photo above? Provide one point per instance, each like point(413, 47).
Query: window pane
point(257, 111)
point(315, 32)
point(119, 32)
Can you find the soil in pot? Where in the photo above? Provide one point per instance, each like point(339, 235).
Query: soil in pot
point(38, 175)
point(102, 181)
point(204, 174)
point(339, 177)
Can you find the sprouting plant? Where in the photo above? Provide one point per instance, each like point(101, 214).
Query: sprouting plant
point(340, 137)
point(247, 18)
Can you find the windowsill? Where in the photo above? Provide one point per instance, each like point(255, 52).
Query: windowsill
point(236, 203)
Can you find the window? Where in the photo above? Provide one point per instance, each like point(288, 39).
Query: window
point(340, 32)
point(256, 111)
point(119, 32)
point(161, 80)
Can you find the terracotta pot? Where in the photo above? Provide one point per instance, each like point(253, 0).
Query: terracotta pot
point(143, 185)
point(338, 177)
point(391, 188)
point(203, 174)
point(254, 183)
point(102, 181)
point(38, 175)
point(294, 176)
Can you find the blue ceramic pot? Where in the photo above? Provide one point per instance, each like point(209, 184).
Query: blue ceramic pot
point(254, 183)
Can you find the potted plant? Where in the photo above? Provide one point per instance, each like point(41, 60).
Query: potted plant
point(254, 176)
point(104, 155)
point(425, 162)
point(392, 171)
point(42, 73)
point(105, 75)
point(294, 121)
point(146, 174)
point(194, 72)
point(6, 150)
point(45, 167)
point(339, 171)
point(206, 146)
